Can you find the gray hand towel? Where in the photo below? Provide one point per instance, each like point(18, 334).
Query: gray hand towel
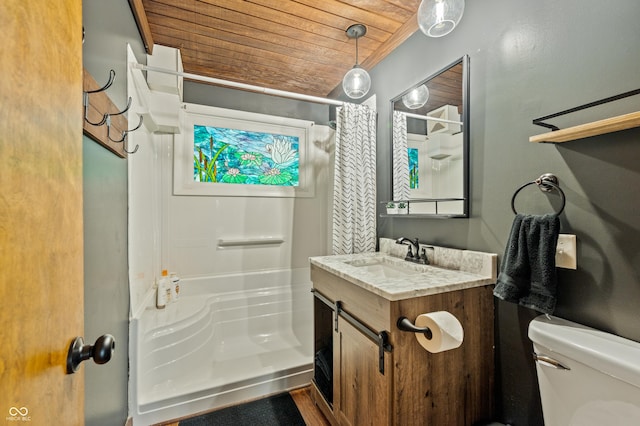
point(528, 269)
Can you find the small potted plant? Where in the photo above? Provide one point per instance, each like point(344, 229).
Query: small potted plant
point(403, 208)
point(392, 208)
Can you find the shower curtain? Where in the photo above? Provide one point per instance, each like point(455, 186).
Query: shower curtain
point(400, 157)
point(354, 195)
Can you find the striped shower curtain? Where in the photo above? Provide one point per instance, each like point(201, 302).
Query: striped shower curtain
point(400, 157)
point(354, 195)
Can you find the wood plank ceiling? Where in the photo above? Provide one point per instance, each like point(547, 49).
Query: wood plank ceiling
point(294, 45)
point(444, 89)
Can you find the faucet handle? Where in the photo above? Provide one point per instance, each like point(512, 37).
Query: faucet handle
point(409, 255)
point(423, 256)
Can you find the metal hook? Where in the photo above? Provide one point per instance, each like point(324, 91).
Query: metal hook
point(85, 102)
point(124, 145)
point(112, 77)
point(135, 128)
point(108, 121)
point(124, 133)
point(126, 108)
point(123, 140)
point(85, 99)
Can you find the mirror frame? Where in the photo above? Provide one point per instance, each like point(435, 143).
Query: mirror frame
point(466, 137)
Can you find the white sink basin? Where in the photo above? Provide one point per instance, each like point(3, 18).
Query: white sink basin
point(387, 267)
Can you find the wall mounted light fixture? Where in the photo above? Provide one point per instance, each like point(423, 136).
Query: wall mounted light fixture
point(356, 83)
point(438, 18)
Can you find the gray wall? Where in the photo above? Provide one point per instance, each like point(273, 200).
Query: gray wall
point(109, 26)
point(530, 59)
point(106, 297)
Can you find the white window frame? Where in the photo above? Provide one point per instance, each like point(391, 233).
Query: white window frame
point(192, 114)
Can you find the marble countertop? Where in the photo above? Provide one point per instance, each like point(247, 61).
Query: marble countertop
point(430, 279)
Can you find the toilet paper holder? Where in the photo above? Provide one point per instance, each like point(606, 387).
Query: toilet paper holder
point(405, 324)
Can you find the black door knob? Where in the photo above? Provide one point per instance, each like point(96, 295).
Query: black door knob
point(101, 352)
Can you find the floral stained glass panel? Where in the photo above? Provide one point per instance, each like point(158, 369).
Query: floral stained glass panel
point(414, 182)
point(224, 155)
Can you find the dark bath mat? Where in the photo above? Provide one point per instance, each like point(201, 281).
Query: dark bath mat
point(279, 410)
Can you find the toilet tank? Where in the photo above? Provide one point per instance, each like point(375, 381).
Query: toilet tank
point(587, 377)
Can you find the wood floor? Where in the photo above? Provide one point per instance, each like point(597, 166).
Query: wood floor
point(302, 397)
point(309, 410)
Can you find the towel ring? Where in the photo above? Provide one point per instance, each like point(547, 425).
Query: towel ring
point(547, 183)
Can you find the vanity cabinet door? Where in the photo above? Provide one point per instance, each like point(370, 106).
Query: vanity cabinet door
point(362, 395)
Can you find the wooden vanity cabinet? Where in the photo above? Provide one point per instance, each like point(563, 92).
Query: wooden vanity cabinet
point(449, 388)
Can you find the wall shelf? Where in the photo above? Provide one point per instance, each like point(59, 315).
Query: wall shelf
point(600, 127)
point(434, 201)
point(595, 128)
point(423, 216)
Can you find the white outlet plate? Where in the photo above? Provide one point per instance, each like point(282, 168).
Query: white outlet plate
point(566, 252)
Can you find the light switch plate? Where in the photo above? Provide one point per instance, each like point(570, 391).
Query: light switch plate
point(566, 252)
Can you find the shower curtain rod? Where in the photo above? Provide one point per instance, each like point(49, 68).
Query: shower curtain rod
point(267, 91)
point(243, 86)
point(426, 117)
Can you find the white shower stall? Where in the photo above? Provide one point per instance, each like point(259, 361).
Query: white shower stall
point(242, 326)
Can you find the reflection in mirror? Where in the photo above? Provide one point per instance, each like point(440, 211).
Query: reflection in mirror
point(430, 139)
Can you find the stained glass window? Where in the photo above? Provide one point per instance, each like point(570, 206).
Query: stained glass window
point(225, 155)
point(414, 181)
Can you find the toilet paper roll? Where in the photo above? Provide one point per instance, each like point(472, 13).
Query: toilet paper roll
point(447, 332)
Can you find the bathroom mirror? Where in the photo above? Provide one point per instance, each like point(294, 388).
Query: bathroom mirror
point(430, 137)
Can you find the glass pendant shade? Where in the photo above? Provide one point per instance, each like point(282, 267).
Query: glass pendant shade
point(416, 98)
point(438, 18)
point(356, 83)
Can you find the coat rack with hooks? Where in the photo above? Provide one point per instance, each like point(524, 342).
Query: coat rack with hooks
point(600, 127)
point(103, 121)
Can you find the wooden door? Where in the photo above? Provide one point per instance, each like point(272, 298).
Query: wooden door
point(362, 395)
point(41, 230)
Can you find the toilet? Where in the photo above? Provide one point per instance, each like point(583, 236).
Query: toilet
point(587, 377)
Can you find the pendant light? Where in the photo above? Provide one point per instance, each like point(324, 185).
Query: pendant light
point(416, 98)
point(356, 83)
point(438, 18)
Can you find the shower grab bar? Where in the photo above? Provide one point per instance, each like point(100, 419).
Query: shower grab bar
point(259, 241)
